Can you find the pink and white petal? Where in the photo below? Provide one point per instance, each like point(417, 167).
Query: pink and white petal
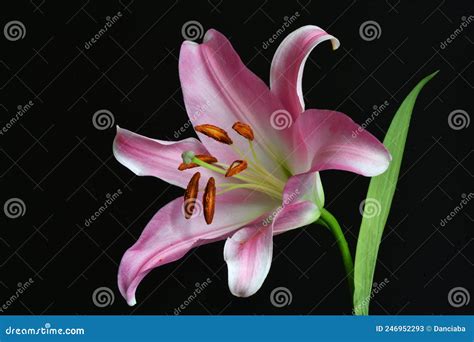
point(286, 72)
point(249, 251)
point(149, 157)
point(334, 142)
point(295, 215)
point(318, 188)
point(304, 187)
point(248, 254)
point(169, 236)
point(219, 89)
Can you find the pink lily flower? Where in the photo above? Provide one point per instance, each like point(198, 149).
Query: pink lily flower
point(260, 152)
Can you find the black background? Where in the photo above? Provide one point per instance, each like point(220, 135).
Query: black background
point(62, 167)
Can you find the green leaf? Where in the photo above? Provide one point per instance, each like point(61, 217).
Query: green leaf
point(378, 202)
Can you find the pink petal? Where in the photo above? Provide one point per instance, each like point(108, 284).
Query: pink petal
point(304, 187)
point(219, 89)
point(333, 141)
point(294, 216)
point(150, 157)
point(169, 236)
point(286, 72)
point(249, 256)
point(248, 252)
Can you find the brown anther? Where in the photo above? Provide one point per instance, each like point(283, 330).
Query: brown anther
point(236, 167)
point(203, 157)
point(215, 133)
point(190, 195)
point(244, 130)
point(209, 200)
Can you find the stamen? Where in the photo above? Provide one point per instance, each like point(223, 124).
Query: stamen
point(258, 179)
point(255, 166)
point(244, 130)
point(203, 157)
point(190, 195)
point(259, 187)
point(236, 167)
point(209, 200)
point(276, 184)
point(215, 133)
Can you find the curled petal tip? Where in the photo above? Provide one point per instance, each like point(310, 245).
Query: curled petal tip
point(286, 73)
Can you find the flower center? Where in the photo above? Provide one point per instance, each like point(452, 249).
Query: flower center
point(247, 174)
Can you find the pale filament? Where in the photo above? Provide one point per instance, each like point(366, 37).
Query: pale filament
point(249, 174)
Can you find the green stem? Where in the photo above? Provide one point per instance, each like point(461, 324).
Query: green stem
point(335, 228)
